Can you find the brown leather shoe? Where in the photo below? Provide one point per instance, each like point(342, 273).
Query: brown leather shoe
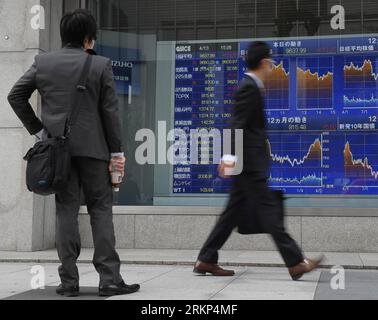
point(306, 266)
point(212, 268)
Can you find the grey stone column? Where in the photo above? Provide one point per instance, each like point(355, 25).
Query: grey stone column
point(27, 222)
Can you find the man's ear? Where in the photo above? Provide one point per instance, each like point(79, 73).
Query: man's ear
point(90, 43)
point(87, 43)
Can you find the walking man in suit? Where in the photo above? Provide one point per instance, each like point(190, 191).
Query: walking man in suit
point(95, 145)
point(250, 193)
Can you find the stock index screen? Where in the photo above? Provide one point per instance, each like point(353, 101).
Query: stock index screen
point(321, 104)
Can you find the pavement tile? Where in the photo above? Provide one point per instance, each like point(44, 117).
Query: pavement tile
point(180, 284)
point(271, 284)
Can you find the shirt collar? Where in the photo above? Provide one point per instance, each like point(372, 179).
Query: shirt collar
point(258, 81)
point(92, 52)
point(72, 46)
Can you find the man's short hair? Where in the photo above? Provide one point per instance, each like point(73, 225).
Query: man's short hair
point(76, 26)
point(257, 51)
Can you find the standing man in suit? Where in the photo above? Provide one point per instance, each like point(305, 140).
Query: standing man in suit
point(250, 192)
point(95, 145)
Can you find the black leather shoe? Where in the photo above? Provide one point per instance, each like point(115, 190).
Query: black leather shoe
point(67, 291)
point(117, 289)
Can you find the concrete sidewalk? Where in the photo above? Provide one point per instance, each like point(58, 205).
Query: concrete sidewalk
point(167, 275)
point(177, 282)
point(187, 257)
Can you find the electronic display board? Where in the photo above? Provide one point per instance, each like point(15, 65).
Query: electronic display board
point(321, 103)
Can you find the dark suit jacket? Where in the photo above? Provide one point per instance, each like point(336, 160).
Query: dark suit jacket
point(97, 131)
point(249, 115)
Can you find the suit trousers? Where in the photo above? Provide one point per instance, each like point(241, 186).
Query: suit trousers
point(251, 195)
point(93, 177)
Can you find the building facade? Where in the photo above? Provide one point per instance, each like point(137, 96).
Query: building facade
point(177, 64)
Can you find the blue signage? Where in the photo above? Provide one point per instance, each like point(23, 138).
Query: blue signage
point(126, 68)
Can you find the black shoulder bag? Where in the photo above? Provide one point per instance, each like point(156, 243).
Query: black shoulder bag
point(49, 161)
point(250, 221)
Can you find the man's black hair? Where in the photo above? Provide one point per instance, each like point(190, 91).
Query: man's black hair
point(257, 51)
point(76, 26)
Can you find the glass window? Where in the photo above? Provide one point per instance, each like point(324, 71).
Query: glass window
point(370, 8)
point(245, 32)
point(165, 13)
point(185, 33)
point(147, 15)
point(178, 64)
point(245, 12)
point(225, 13)
point(225, 32)
point(109, 14)
point(185, 13)
point(128, 14)
point(266, 11)
point(205, 13)
point(353, 9)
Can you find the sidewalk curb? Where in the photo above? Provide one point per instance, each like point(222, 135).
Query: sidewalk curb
point(185, 263)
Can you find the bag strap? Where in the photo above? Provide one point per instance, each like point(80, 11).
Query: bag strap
point(79, 92)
